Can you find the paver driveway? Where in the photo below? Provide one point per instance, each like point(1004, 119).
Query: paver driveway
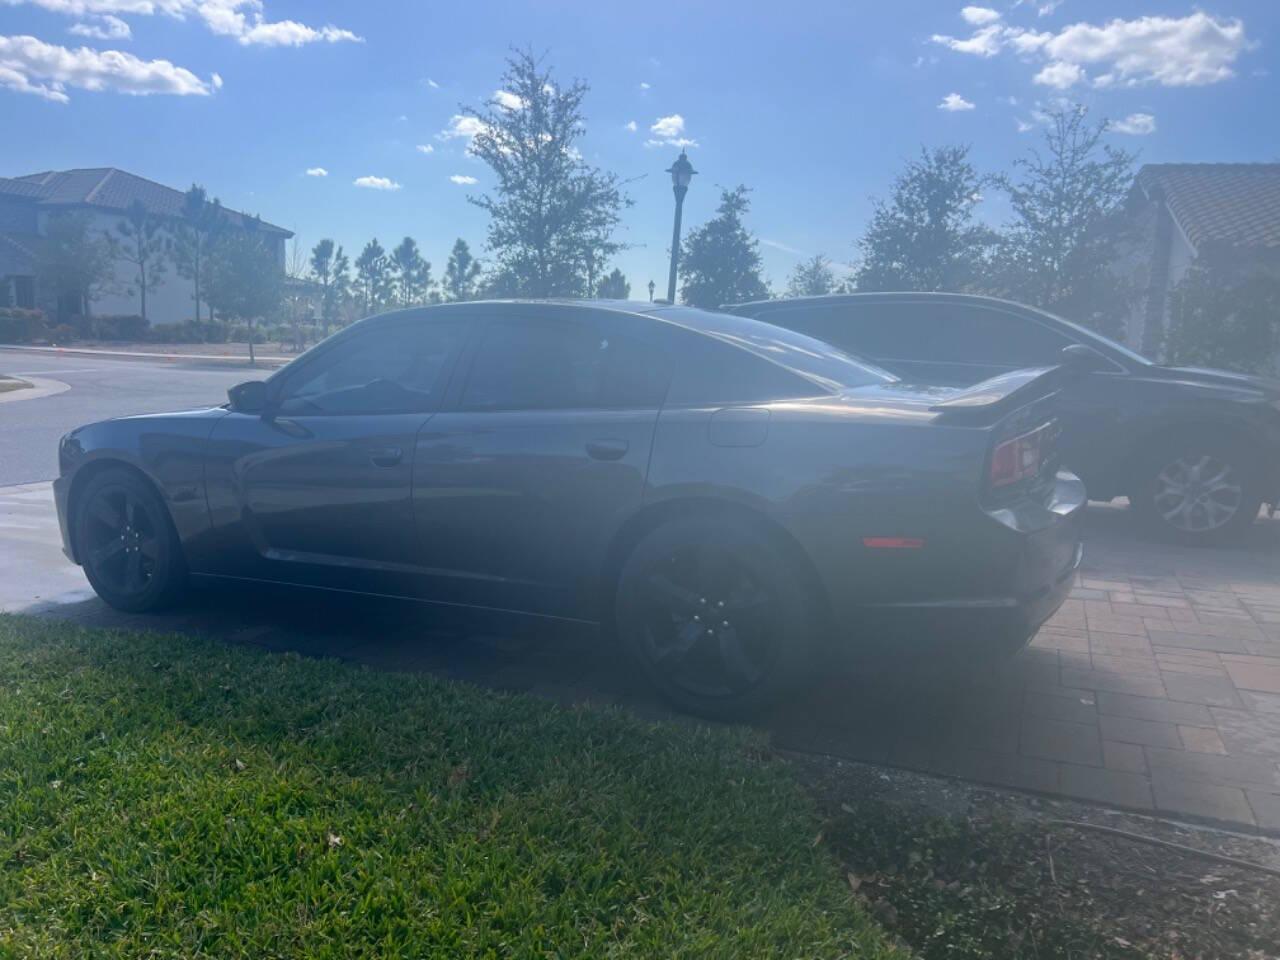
point(1156, 687)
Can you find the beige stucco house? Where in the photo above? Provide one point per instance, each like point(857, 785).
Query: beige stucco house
point(105, 194)
point(1174, 209)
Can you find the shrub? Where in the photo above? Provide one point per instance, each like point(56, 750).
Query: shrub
point(62, 333)
point(1225, 312)
point(21, 326)
point(119, 327)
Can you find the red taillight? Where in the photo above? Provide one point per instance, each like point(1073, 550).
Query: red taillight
point(1019, 458)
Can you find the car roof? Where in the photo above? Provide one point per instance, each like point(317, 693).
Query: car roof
point(834, 299)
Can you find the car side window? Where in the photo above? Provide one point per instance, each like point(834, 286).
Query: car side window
point(394, 369)
point(549, 364)
point(713, 372)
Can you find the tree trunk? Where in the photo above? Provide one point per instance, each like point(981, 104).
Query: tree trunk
point(252, 361)
point(142, 275)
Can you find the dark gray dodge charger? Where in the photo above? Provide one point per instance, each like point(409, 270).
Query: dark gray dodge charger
point(727, 496)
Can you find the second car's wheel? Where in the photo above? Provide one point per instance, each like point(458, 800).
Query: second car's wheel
point(127, 544)
point(716, 617)
point(1199, 491)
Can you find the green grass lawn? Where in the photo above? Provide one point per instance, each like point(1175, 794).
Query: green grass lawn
point(162, 796)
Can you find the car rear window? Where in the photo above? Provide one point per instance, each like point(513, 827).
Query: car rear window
point(816, 361)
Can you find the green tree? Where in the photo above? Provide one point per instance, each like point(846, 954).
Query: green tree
point(1067, 210)
point(75, 263)
point(721, 259)
point(195, 236)
point(245, 277)
point(461, 273)
point(412, 273)
point(322, 269)
point(923, 237)
point(551, 215)
point(614, 287)
point(144, 246)
point(813, 278)
point(373, 279)
point(1225, 312)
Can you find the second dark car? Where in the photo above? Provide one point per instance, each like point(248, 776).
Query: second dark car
point(728, 495)
point(1197, 452)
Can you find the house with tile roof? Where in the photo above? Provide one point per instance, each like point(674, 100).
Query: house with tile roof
point(1176, 210)
point(105, 194)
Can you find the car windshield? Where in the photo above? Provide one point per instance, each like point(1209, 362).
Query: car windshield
point(810, 358)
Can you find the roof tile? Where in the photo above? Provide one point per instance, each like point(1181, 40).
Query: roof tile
point(1233, 203)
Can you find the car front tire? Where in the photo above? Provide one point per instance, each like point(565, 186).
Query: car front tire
point(126, 542)
point(716, 617)
point(1200, 491)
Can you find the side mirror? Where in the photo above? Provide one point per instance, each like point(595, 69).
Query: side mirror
point(1084, 358)
point(248, 397)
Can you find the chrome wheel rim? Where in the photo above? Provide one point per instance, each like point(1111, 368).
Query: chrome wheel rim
point(122, 543)
point(1198, 495)
point(709, 625)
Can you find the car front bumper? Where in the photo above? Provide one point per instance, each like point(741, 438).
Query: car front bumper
point(61, 495)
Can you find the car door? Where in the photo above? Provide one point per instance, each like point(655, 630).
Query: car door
point(520, 485)
point(318, 489)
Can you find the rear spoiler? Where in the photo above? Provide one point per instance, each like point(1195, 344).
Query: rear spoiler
point(1003, 393)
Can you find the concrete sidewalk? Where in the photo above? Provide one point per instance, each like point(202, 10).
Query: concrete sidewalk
point(1156, 688)
point(261, 360)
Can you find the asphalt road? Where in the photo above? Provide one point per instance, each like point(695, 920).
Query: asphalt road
point(100, 388)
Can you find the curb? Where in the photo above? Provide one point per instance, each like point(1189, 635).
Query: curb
point(40, 387)
point(271, 361)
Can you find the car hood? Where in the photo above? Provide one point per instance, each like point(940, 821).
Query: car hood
point(1224, 378)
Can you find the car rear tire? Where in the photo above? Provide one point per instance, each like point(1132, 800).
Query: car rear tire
point(1199, 491)
point(716, 617)
point(126, 542)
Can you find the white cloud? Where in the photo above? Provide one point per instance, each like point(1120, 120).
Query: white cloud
point(630, 126)
point(426, 148)
point(463, 180)
point(1060, 75)
point(432, 84)
point(461, 127)
point(983, 43)
point(1195, 50)
point(1047, 8)
point(669, 132)
point(106, 27)
point(376, 183)
point(668, 127)
point(1023, 125)
point(216, 79)
point(953, 102)
point(28, 65)
point(1137, 124)
point(508, 100)
point(643, 85)
point(242, 19)
point(317, 172)
point(979, 15)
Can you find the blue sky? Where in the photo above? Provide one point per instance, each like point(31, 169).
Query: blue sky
point(813, 104)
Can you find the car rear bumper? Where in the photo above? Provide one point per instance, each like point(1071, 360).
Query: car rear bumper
point(1046, 554)
point(61, 492)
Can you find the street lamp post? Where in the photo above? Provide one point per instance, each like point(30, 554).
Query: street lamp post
point(681, 174)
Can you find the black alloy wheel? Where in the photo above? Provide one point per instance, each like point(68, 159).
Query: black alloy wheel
point(717, 622)
point(126, 543)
